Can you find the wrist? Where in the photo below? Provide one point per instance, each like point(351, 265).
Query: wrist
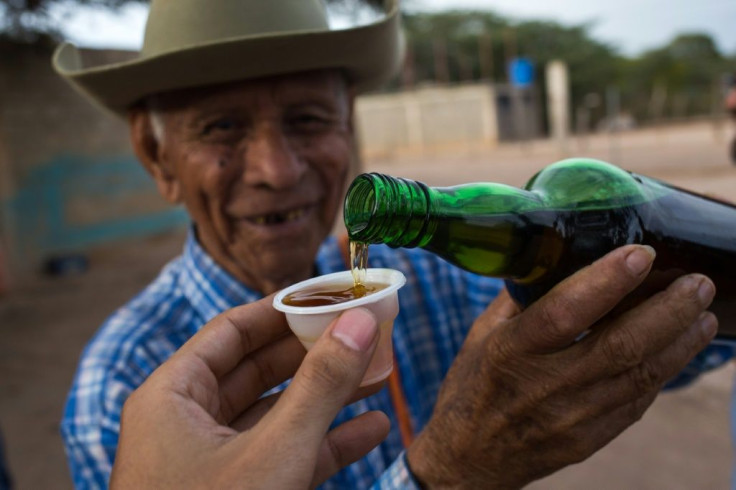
point(428, 468)
point(434, 462)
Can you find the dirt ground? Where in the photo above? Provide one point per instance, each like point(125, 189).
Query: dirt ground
point(682, 442)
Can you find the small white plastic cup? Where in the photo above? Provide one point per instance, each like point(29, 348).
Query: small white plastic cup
point(308, 322)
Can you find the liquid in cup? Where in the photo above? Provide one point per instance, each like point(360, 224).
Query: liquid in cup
point(308, 322)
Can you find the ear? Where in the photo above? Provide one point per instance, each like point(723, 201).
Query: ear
point(150, 152)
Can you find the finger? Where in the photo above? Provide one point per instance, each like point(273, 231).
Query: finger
point(570, 308)
point(330, 373)
point(648, 328)
point(250, 417)
point(232, 335)
point(592, 434)
point(349, 442)
point(609, 394)
point(262, 370)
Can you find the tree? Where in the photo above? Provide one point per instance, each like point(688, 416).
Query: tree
point(467, 37)
point(678, 79)
point(37, 21)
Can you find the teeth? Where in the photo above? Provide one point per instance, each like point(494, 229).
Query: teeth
point(294, 215)
point(277, 218)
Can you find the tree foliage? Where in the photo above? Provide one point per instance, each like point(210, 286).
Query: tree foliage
point(37, 21)
point(593, 65)
point(681, 77)
point(32, 21)
point(678, 78)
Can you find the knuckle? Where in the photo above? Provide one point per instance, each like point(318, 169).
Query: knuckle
point(683, 314)
point(621, 350)
point(336, 452)
point(266, 374)
point(324, 374)
point(243, 333)
point(557, 318)
point(646, 378)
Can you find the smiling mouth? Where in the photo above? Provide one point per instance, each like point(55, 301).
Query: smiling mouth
point(279, 218)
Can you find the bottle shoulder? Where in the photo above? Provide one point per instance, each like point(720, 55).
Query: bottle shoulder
point(588, 184)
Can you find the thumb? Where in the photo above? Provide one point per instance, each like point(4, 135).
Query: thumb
point(330, 374)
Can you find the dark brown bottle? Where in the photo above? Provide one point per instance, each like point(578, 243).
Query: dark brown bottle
point(567, 216)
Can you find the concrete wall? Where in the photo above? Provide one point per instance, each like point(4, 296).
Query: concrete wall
point(68, 179)
point(427, 119)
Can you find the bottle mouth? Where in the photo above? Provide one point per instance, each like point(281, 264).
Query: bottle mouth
point(383, 209)
point(361, 202)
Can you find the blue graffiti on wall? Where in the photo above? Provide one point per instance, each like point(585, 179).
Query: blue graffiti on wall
point(38, 209)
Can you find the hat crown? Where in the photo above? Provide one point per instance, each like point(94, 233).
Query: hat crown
point(175, 24)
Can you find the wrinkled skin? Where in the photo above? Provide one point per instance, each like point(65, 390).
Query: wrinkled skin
point(523, 399)
point(198, 421)
point(260, 166)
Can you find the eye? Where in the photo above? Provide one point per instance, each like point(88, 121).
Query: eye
point(309, 122)
point(221, 125)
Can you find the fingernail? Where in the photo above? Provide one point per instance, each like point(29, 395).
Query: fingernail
point(708, 323)
point(706, 291)
point(640, 258)
point(356, 329)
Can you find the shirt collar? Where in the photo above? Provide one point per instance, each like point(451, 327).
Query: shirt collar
point(211, 290)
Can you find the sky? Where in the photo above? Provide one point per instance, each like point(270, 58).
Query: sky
point(632, 26)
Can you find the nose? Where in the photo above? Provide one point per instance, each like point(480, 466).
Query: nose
point(270, 160)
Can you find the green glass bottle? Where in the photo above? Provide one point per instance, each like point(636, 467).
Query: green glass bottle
point(567, 216)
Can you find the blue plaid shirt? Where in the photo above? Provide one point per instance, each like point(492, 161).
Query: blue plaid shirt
point(438, 305)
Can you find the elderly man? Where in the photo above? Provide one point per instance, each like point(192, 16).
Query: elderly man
point(241, 110)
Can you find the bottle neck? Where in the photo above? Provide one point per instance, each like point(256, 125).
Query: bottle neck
point(383, 209)
point(486, 228)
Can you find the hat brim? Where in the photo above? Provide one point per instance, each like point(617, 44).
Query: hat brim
point(369, 54)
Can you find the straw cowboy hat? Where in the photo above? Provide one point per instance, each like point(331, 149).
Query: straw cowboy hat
point(192, 43)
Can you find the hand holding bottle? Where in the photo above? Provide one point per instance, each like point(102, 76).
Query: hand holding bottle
point(199, 422)
point(524, 398)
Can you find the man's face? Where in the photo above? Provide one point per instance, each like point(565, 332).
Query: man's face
point(261, 167)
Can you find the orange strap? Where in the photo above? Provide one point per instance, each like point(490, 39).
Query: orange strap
point(398, 400)
point(401, 408)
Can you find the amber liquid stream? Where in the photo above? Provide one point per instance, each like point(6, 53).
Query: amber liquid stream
point(334, 293)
